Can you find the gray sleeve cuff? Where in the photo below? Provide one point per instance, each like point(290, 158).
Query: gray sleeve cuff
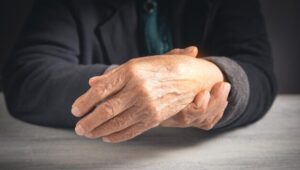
point(111, 67)
point(240, 90)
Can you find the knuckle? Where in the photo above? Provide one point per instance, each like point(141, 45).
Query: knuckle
point(132, 61)
point(145, 89)
point(150, 107)
point(99, 90)
point(117, 123)
point(108, 107)
point(142, 87)
point(132, 67)
point(201, 109)
point(132, 117)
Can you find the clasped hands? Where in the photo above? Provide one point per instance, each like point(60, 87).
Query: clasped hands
point(176, 89)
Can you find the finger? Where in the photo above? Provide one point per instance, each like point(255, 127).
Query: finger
point(128, 133)
point(219, 116)
point(105, 111)
point(219, 92)
point(189, 51)
point(216, 106)
point(211, 121)
point(190, 112)
point(94, 80)
point(172, 123)
point(219, 95)
point(174, 51)
point(106, 85)
point(118, 123)
point(200, 102)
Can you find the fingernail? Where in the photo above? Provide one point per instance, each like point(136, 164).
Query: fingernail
point(92, 78)
point(206, 95)
point(106, 140)
point(79, 130)
point(227, 87)
point(75, 111)
point(91, 81)
point(189, 49)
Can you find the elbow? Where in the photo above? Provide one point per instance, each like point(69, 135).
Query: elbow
point(263, 91)
point(14, 109)
point(18, 103)
point(267, 98)
point(262, 96)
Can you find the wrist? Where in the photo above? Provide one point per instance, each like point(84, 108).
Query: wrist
point(210, 74)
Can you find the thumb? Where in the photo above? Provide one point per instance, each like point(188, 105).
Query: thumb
point(191, 51)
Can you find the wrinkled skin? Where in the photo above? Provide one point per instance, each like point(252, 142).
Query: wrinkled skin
point(148, 91)
point(206, 110)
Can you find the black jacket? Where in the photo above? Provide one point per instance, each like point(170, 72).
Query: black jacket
point(65, 42)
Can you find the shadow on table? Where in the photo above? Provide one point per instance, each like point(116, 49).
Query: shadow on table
point(48, 148)
point(158, 144)
point(174, 137)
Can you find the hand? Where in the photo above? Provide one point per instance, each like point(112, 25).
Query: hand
point(206, 110)
point(140, 94)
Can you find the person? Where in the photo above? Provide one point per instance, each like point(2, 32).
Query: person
point(123, 67)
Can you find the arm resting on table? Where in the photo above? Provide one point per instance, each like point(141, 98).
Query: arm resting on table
point(44, 76)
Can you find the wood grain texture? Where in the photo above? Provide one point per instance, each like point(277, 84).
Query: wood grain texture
point(272, 143)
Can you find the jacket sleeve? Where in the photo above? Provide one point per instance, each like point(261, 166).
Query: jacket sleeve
point(44, 76)
point(238, 32)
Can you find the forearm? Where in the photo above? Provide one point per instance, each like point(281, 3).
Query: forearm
point(263, 90)
point(43, 94)
point(251, 95)
point(240, 35)
point(44, 74)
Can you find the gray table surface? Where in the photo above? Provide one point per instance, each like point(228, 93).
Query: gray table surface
point(272, 143)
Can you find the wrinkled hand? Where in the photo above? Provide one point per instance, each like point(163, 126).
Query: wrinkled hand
point(206, 110)
point(141, 94)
